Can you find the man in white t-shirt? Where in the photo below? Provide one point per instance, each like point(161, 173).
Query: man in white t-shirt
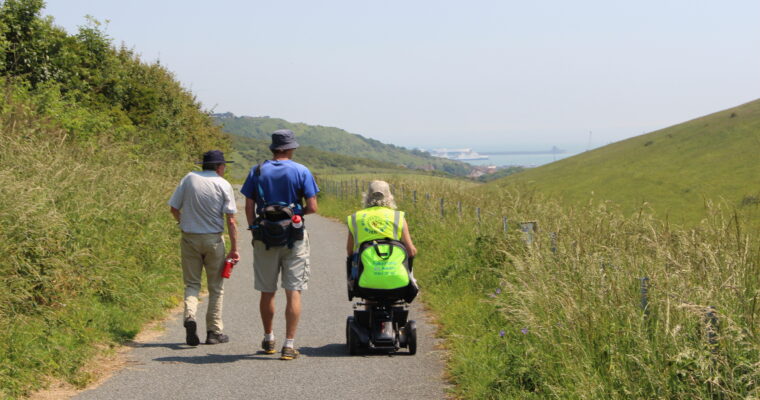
point(201, 202)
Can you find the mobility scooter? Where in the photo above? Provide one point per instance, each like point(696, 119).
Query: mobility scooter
point(380, 321)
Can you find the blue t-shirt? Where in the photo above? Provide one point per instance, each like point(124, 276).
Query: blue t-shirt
point(284, 181)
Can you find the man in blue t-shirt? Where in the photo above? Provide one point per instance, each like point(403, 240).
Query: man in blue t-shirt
point(280, 181)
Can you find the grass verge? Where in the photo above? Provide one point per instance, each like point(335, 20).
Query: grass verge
point(90, 251)
point(592, 304)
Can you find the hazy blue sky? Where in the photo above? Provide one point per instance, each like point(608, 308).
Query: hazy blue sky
point(450, 72)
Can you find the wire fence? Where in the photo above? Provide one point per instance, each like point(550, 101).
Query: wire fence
point(493, 222)
point(452, 206)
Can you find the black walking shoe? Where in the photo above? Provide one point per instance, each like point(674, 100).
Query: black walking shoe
point(191, 335)
point(216, 338)
point(268, 346)
point(289, 353)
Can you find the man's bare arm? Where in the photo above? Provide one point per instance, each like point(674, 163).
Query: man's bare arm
point(175, 213)
point(232, 230)
point(311, 206)
point(250, 210)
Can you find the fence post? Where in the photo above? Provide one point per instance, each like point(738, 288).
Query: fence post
point(528, 228)
point(459, 208)
point(645, 295)
point(477, 213)
point(711, 325)
point(442, 212)
point(553, 237)
point(504, 224)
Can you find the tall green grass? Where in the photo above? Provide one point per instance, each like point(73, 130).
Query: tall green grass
point(569, 314)
point(92, 142)
point(89, 251)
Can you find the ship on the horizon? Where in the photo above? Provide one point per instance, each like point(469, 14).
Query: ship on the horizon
point(458, 154)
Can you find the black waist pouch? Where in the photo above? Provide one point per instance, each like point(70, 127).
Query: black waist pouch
point(277, 233)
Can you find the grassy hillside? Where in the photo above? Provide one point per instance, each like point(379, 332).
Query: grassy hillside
point(673, 170)
point(249, 152)
point(93, 143)
point(338, 141)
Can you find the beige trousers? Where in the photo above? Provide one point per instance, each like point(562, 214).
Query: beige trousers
point(204, 250)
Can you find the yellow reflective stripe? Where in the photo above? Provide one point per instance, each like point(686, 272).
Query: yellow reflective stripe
point(396, 227)
point(354, 231)
point(402, 221)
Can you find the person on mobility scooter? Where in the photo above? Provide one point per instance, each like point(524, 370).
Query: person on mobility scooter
point(379, 270)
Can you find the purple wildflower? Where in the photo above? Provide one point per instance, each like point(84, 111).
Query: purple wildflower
point(498, 291)
point(502, 333)
point(524, 331)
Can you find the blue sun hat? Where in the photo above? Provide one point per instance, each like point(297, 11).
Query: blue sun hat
point(214, 157)
point(283, 139)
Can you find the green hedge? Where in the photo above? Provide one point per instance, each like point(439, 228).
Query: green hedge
point(93, 143)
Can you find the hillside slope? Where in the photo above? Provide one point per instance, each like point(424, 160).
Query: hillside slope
point(248, 152)
point(338, 141)
point(675, 170)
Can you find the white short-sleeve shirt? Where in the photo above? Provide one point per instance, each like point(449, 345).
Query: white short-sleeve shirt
point(203, 197)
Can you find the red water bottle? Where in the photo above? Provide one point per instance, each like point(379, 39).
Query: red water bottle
point(296, 221)
point(227, 270)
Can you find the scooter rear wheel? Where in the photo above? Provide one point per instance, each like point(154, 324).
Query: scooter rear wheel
point(411, 332)
point(352, 340)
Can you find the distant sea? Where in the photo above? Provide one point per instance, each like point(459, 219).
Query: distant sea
point(523, 156)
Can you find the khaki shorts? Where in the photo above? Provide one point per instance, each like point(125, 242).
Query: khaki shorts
point(291, 264)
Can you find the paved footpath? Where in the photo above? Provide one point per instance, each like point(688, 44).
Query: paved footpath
point(168, 369)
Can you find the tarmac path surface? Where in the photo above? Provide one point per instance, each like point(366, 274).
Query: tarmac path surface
point(166, 368)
